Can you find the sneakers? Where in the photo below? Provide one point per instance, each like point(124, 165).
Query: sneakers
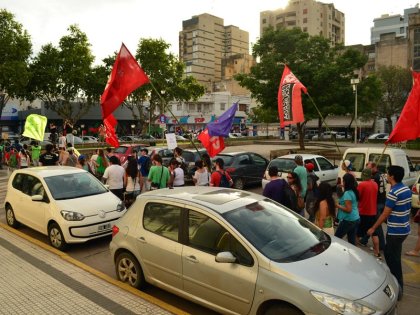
point(378, 256)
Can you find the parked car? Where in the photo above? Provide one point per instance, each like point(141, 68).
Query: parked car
point(66, 203)
point(191, 156)
point(244, 167)
point(378, 136)
point(323, 168)
point(237, 252)
point(125, 150)
point(180, 138)
point(73, 139)
point(89, 139)
point(327, 135)
point(359, 156)
point(148, 138)
point(415, 189)
point(129, 139)
point(29, 141)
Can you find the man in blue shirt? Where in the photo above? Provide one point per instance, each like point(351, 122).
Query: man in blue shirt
point(397, 211)
point(275, 188)
point(145, 163)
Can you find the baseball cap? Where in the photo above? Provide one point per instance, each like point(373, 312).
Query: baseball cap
point(298, 158)
point(366, 174)
point(309, 167)
point(348, 164)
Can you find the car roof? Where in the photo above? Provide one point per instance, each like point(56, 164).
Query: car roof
point(305, 156)
point(133, 145)
point(220, 200)
point(47, 171)
point(234, 153)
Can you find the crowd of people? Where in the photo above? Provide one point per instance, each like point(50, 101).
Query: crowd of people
point(356, 211)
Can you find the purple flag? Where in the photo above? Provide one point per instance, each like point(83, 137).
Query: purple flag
point(221, 127)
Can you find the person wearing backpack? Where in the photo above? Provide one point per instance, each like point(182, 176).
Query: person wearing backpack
point(312, 191)
point(145, 163)
point(220, 177)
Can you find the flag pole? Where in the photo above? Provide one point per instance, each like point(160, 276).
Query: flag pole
point(172, 114)
point(324, 122)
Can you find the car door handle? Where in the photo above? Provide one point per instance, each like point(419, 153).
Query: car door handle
point(192, 259)
point(142, 239)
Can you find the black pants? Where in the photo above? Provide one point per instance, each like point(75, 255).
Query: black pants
point(392, 255)
point(119, 193)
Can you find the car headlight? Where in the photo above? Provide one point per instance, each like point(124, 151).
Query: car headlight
point(120, 207)
point(71, 215)
point(342, 305)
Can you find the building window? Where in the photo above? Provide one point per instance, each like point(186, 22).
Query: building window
point(198, 107)
point(305, 11)
point(222, 106)
point(401, 30)
point(305, 29)
point(264, 21)
point(191, 107)
point(179, 107)
point(242, 107)
point(305, 20)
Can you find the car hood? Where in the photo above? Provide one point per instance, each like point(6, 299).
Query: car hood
point(90, 205)
point(341, 270)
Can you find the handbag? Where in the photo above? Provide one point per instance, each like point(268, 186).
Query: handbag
point(154, 186)
point(416, 218)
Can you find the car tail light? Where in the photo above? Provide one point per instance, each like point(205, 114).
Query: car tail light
point(231, 169)
point(414, 189)
point(115, 230)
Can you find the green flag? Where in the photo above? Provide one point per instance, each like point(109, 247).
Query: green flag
point(35, 127)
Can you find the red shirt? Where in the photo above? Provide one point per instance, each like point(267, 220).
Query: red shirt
point(216, 177)
point(368, 191)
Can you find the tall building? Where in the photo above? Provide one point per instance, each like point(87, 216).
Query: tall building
point(213, 52)
point(310, 16)
point(391, 24)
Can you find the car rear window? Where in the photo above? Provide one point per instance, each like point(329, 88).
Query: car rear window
point(227, 159)
point(121, 150)
point(283, 165)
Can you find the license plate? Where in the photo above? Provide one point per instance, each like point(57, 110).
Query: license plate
point(104, 227)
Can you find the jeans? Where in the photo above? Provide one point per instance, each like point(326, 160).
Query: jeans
point(349, 228)
point(392, 255)
point(118, 192)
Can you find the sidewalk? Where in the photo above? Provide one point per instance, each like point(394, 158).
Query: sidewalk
point(34, 280)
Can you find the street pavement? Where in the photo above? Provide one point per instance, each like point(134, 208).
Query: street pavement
point(38, 279)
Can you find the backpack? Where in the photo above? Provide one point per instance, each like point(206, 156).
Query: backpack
point(224, 182)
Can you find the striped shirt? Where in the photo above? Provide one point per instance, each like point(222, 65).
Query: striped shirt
point(399, 200)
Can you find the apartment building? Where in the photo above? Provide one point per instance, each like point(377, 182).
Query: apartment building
point(310, 16)
point(213, 52)
point(391, 24)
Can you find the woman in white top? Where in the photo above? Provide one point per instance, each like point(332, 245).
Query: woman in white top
point(176, 173)
point(201, 176)
point(24, 159)
point(132, 181)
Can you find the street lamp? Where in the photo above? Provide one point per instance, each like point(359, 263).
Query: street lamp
point(132, 132)
point(354, 83)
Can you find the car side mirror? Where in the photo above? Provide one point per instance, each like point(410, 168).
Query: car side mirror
point(335, 166)
point(417, 168)
point(38, 198)
point(225, 257)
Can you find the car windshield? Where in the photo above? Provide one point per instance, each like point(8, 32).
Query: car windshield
point(283, 165)
point(227, 159)
point(75, 185)
point(277, 232)
point(120, 150)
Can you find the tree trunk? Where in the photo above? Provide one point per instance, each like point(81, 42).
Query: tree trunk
point(319, 127)
point(389, 124)
point(300, 133)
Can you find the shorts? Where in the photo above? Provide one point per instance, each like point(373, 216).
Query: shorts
point(366, 222)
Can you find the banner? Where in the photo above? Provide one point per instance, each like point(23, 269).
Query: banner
point(213, 145)
point(35, 127)
point(110, 136)
point(221, 127)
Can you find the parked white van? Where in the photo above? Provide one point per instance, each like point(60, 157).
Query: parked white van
point(360, 156)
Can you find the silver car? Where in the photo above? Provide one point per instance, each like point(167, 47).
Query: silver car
point(237, 252)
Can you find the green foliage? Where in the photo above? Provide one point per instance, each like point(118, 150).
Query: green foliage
point(15, 50)
point(395, 85)
point(65, 74)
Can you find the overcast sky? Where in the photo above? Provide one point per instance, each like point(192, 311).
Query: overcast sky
point(107, 23)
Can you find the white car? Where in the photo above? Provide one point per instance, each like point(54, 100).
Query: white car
point(324, 169)
point(327, 135)
point(379, 136)
point(70, 138)
point(415, 200)
point(89, 139)
point(237, 252)
point(66, 203)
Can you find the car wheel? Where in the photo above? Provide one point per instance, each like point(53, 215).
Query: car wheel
point(282, 309)
point(128, 270)
point(10, 217)
point(238, 183)
point(56, 237)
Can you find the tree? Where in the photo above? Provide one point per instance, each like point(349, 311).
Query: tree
point(64, 75)
point(395, 83)
point(324, 70)
point(15, 50)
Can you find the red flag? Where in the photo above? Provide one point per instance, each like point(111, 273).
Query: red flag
point(289, 99)
point(126, 76)
point(408, 125)
point(213, 145)
point(110, 136)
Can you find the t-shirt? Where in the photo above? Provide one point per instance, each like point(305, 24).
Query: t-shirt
point(48, 159)
point(179, 177)
point(354, 214)
point(114, 175)
point(399, 200)
point(36, 152)
point(216, 178)
point(368, 191)
point(202, 178)
point(155, 174)
point(303, 176)
point(143, 161)
point(381, 182)
point(62, 142)
point(275, 190)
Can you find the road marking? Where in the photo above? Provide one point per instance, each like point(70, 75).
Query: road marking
point(413, 277)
